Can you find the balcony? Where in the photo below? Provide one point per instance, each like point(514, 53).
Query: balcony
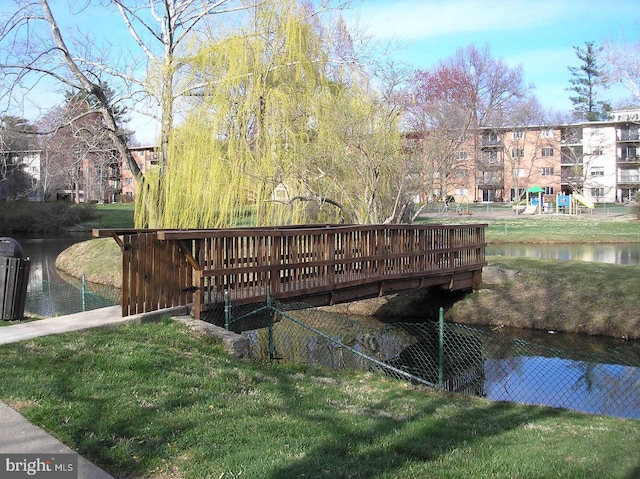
point(570, 162)
point(568, 141)
point(628, 135)
point(629, 178)
point(488, 180)
point(490, 164)
point(491, 141)
point(629, 159)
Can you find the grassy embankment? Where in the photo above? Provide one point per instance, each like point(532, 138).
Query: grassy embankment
point(615, 224)
point(99, 259)
point(569, 296)
point(158, 401)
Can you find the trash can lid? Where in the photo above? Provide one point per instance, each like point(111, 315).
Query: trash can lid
point(10, 247)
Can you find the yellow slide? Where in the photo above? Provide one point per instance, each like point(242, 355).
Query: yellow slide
point(581, 199)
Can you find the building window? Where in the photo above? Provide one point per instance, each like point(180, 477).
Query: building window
point(547, 152)
point(517, 153)
point(461, 155)
point(548, 190)
point(518, 135)
point(546, 133)
point(629, 133)
point(490, 138)
point(462, 192)
point(629, 153)
point(596, 152)
point(518, 172)
point(597, 192)
point(490, 157)
point(520, 194)
point(547, 171)
point(597, 171)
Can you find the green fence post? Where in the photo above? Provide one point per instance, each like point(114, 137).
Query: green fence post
point(84, 293)
point(441, 349)
point(227, 311)
point(272, 346)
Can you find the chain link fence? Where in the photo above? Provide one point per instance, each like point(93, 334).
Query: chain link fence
point(48, 298)
point(444, 355)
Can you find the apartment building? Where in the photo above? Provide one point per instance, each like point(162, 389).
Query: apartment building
point(627, 125)
point(147, 158)
point(511, 160)
point(600, 160)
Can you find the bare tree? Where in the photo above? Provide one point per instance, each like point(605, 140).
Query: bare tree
point(621, 64)
point(34, 50)
point(468, 93)
point(438, 116)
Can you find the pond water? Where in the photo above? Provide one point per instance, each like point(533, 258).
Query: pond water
point(584, 373)
point(51, 294)
point(597, 388)
point(628, 253)
point(570, 371)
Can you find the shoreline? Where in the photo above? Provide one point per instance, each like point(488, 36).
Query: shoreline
point(531, 298)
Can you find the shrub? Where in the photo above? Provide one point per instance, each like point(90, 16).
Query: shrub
point(25, 217)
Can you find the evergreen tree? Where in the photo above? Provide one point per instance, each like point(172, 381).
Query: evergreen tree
point(586, 81)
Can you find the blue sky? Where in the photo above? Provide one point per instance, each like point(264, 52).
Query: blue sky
point(537, 34)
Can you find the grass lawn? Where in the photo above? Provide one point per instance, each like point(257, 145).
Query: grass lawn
point(550, 229)
point(156, 400)
point(114, 215)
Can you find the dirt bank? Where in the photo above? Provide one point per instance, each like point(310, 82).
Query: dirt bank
point(562, 296)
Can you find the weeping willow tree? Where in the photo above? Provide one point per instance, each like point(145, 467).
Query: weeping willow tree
point(281, 133)
point(358, 164)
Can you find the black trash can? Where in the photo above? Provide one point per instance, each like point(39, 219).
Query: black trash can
point(14, 278)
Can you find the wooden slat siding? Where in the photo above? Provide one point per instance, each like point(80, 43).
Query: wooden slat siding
point(155, 274)
point(14, 279)
point(125, 290)
point(128, 284)
point(6, 280)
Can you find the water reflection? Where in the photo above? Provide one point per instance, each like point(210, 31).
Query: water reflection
point(574, 372)
point(48, 293)
point(557, 382)
point(598, 253)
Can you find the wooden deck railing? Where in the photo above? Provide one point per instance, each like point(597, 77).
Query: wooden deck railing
point(321, 265)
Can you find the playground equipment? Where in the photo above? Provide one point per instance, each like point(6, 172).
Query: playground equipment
point(565, 204)
point(570, 204)
point(581, 199)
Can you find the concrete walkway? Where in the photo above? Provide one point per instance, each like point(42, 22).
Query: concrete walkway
point(17, 435)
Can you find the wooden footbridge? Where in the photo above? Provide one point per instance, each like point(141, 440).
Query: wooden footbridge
point(320, 265)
